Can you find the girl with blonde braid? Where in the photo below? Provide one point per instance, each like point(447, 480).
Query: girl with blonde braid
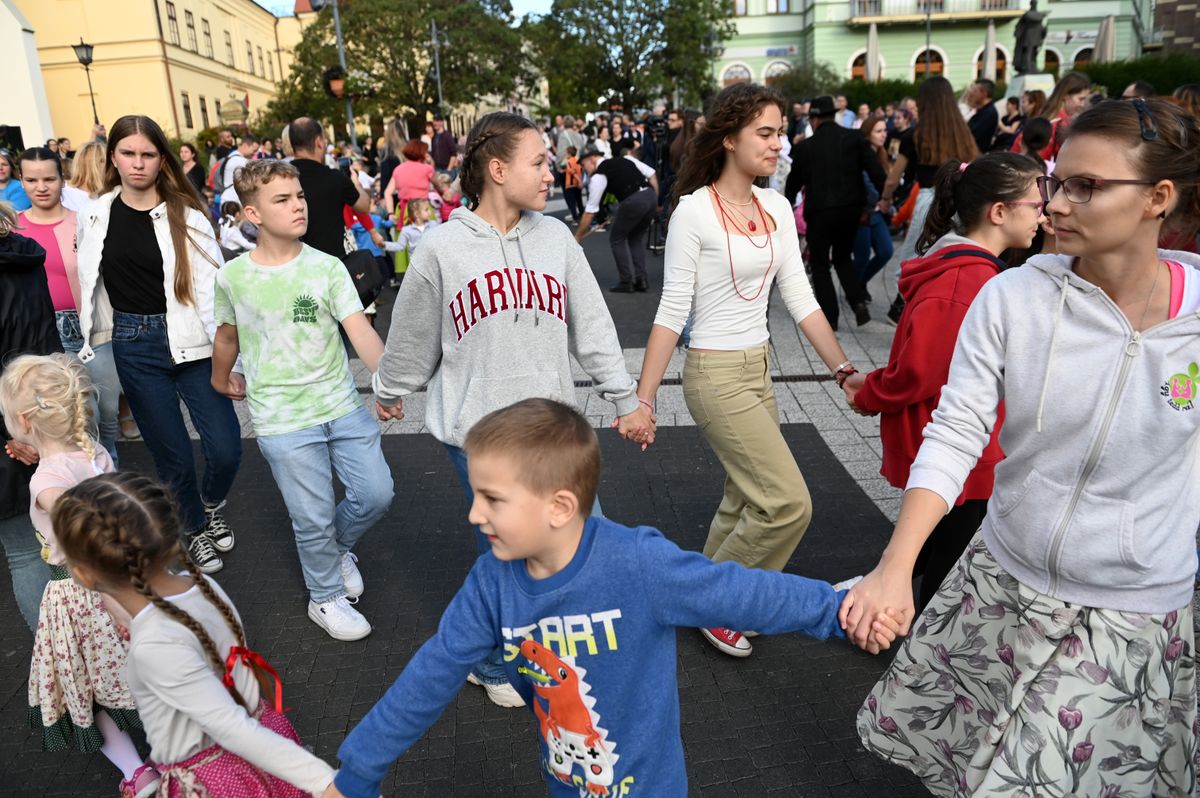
point(201, 693)
point(78, 696)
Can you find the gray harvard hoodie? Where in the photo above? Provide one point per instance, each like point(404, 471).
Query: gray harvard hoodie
point(1098, 499)
point(488, 320)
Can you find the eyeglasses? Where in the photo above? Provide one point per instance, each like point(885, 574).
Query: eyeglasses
point(1078, 190)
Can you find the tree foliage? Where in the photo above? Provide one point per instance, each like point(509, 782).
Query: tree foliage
point(390, 61)
point(628, 51)
point(1164, 72)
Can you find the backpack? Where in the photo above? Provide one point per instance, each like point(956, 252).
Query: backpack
point(215, 181)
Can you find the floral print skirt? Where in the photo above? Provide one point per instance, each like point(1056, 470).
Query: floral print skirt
point(77, 668)
point(1003, 691)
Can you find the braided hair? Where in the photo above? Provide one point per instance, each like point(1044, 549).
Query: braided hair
point(55, 395)
point(124, 527)
point(495, 135)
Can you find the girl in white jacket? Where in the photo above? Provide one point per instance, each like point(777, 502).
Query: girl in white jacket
point(147, 267)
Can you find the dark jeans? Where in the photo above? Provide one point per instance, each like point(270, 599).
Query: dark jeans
point(875, 236)
point(574, 198)
point(945, 545)
point(627, 234)
point(154, 384)
point(836, 229)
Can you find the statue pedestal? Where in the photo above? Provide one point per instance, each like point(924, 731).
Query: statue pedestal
point(1034, 81)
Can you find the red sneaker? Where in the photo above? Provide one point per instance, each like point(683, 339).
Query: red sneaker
point(730, 642)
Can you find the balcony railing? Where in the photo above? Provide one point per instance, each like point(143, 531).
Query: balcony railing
point(866, 9)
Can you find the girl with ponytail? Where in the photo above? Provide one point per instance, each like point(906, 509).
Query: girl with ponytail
point(78, 696)
point(212, 708)
point(978, 211)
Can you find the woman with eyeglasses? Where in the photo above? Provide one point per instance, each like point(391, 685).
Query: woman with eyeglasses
point(1060, 650)
point(11, 190)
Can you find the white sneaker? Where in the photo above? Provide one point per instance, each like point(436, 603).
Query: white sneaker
point(502, 695)
point(351, 578)
point(847, 583)
point(339, 619)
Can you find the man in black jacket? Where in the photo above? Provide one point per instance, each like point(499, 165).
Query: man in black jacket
point(26, 327)
point(830, 166)
point(986, 119)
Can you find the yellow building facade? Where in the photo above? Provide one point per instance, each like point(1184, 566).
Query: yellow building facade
point(188, 64)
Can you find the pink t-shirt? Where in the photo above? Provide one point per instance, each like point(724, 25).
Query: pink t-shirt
point(1185, 289)
point(412, 180)
point(64, 470)
point(58, 240)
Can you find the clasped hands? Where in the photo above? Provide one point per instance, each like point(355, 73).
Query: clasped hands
point(638, 426)
point(851, 386)
point(878, 609)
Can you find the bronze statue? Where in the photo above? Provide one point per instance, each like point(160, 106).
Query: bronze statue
point(1030, 33)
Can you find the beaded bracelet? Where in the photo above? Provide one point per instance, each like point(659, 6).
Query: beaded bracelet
point(843, 375)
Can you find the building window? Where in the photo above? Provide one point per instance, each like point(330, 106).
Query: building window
point(262, 71)
point(190, 21)
point(777, 6)
point(1083, 58)
point(936, 65)
point(172, 23)
point(249, 57)
point(271, 69)
point(187, 112)
point(204, 111)
point(1001, 66)
point(1053, 65)
point(739, 8)
point(736, 74)
point(207, 31)
point(774, 71)
point(228, 49)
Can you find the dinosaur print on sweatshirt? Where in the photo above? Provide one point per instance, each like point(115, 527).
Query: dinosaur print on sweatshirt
point(569, 722)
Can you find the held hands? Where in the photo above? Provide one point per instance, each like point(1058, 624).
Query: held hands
point(234, 386)
point(393, 413)
point(852, 386)
point(638, 426)
point(882, 604)
point(22, 452)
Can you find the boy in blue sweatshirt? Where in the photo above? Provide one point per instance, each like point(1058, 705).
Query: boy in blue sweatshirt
point(585, 610)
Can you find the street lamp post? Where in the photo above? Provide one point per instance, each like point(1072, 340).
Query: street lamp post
point(317, 5)
point(83, 52)
point(437, 61)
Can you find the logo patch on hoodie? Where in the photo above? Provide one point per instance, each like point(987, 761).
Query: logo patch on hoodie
point(1180, 390)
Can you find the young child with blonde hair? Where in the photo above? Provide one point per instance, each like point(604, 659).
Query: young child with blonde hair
point(78, 696)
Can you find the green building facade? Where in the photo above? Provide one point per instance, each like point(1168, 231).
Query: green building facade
point(773, 34)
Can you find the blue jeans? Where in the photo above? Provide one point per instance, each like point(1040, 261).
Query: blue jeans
point(303, 464)
point(29, 573)
point(491, 670)
point(154, 384)
point(103, 372)
point(875, 236)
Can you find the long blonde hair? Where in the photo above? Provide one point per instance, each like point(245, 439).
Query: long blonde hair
point(55, 395)
point(87, 171)
point(8, 218)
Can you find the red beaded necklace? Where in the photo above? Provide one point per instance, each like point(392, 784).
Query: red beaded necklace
point(728, 220)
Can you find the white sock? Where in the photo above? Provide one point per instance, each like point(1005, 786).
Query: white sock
point(118, 746)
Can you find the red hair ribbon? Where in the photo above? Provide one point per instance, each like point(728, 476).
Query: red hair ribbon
point(253, 660)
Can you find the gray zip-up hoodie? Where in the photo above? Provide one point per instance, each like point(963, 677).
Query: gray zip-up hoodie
point(1098, 499)
point(487, 320)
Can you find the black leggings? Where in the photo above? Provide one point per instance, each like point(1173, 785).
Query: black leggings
point(945, 545)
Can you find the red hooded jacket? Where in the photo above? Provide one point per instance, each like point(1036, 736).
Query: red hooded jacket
point(939, 288)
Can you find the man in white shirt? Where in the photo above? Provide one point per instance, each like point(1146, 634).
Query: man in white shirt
point(235, 161)
point(635, 186)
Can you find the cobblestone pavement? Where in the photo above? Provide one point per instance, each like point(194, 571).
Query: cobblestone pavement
point(778, 723)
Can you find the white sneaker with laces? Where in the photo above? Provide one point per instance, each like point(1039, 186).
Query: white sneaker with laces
point(502, 695)
point(339, 619)
point(217, 528)
point(351, 577)
point(200, 550)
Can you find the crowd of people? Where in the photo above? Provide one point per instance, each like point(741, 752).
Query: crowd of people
point(1050, 642)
